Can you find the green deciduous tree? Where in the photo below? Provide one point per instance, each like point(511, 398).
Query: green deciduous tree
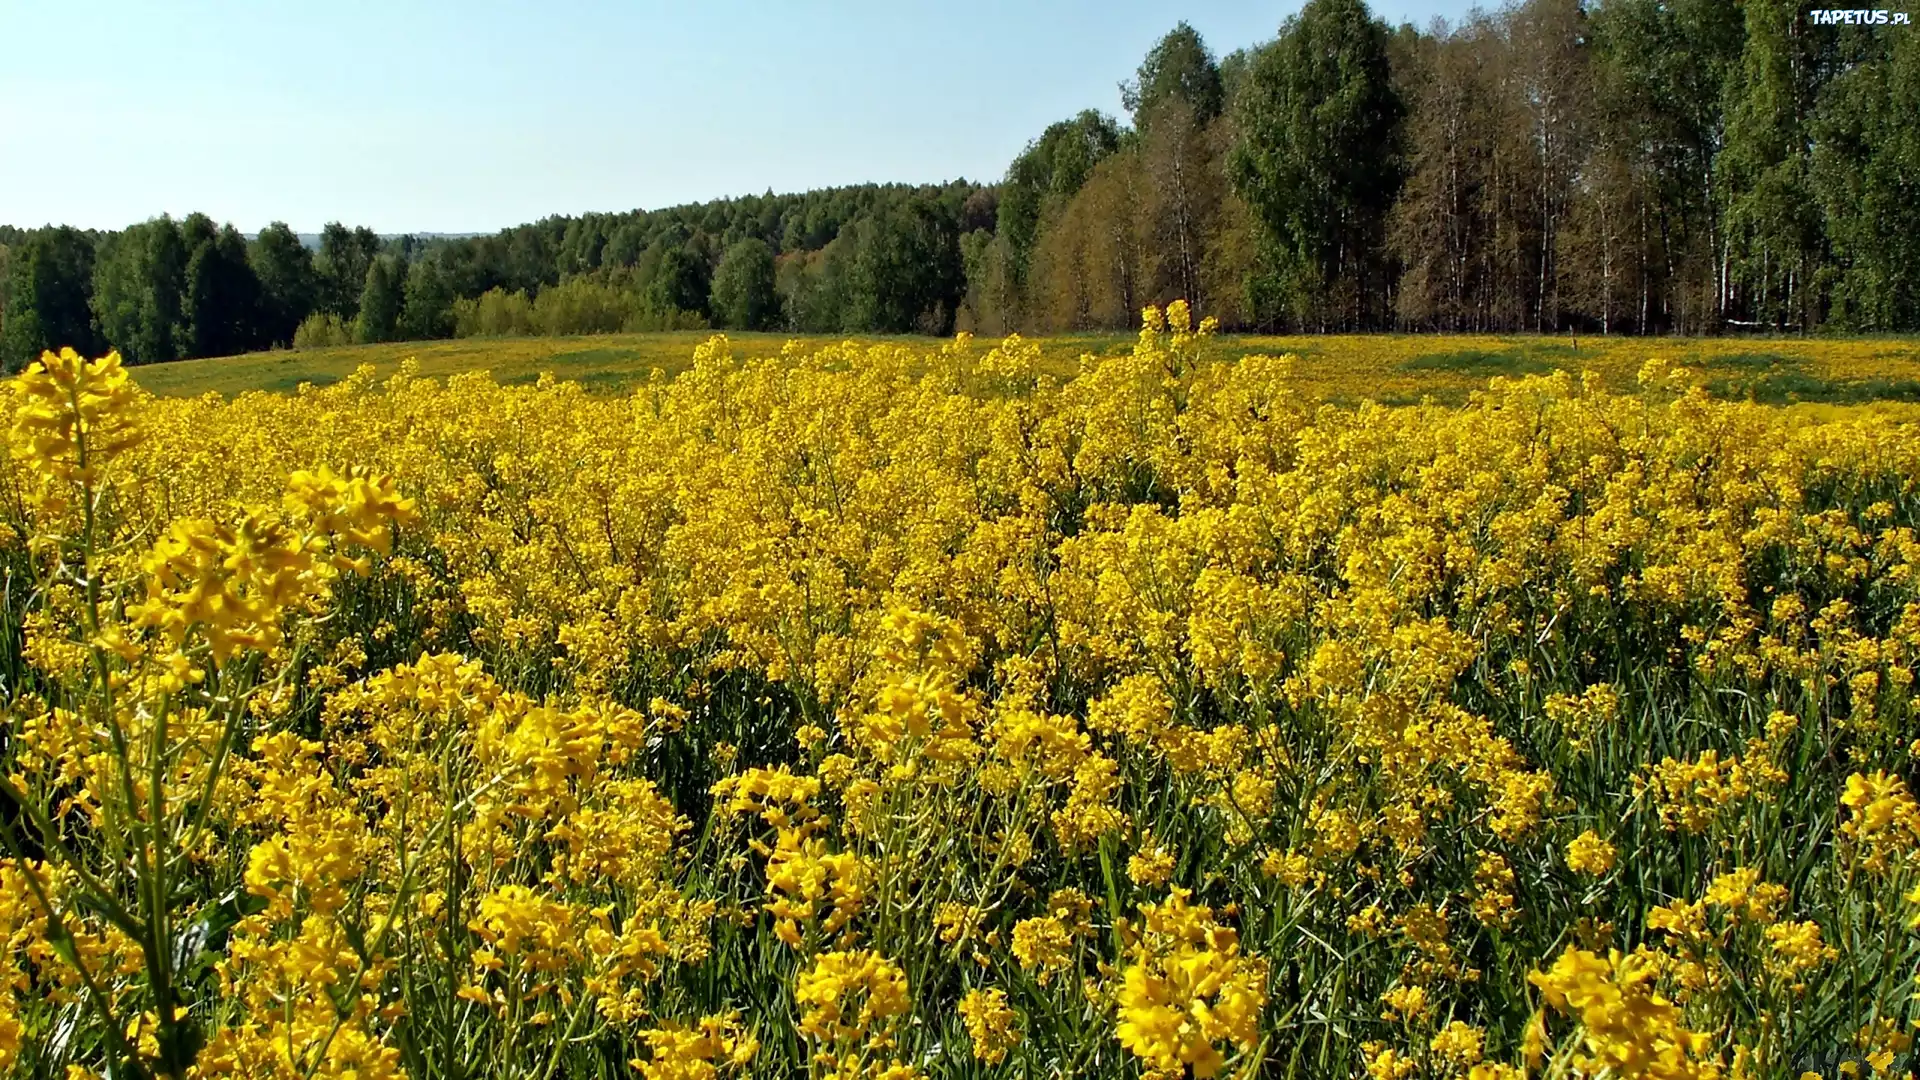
point(48, 281)
point(1775, 235)
point(813, 286)
point(906, 273)
point(222, 296)
point(427, 306)
point(1544, 115)
point(289, 284)
point(344, 257)
point(1180, 68)
point(1866, 169)
point(1318, 162)
point(1661, 69)
point(681, 281)
point(139, 286)
point(381, 297)
point(743, 293)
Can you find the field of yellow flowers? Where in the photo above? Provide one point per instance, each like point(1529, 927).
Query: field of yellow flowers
point(887, 711)
point(1341, 368)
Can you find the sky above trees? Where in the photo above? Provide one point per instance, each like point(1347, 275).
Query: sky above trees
point(458, 117)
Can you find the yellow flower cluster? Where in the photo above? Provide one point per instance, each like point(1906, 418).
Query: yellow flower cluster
point(1627, 1027)
point(1588, 854)
point(1882, 818)
point(806, 879)
point(699, 1052)
point(990, 1024)
point(74, 416)
point(1189, 996)
point(851, 1005)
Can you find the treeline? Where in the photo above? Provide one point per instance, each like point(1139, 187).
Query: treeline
point(1612, 166)
point(876, 258)
point(1615, 166)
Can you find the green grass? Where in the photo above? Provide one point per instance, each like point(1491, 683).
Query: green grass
point(1389, 368)
point(626, 357)
point(1482, 362)
point(1783, 386)
point(1755, 361)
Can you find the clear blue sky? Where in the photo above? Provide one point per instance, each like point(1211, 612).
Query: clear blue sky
point(438, 115)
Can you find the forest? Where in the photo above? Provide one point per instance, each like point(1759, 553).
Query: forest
point(1602, 167)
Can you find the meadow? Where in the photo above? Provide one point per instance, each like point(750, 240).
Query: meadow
point(1390, 368)
point(1409, 709)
